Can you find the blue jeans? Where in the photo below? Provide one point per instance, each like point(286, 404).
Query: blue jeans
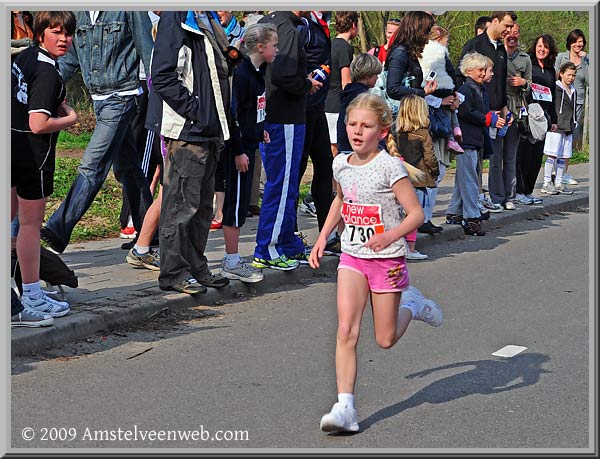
point(112, 143)
point(466, 186)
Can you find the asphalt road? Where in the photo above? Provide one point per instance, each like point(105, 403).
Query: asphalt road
point(262, 369)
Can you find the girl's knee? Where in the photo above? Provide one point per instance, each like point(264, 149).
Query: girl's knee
point(346, 334)
point(386, 341)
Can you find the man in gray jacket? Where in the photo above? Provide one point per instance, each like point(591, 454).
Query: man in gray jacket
point(107, 47)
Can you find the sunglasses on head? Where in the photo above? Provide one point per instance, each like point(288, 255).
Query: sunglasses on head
point(394, 21)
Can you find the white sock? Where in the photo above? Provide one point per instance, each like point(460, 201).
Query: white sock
point(560, 171)
point(141, 249)
point(346, 399)
point(32, 290)
point(130, 221)
point(548, 167)
point(232, 259)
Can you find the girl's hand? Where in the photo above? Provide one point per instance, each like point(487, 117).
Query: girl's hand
point(316, 253)
point(242, 162)
point(553, 128)
point(266, 137)
point(380, 241)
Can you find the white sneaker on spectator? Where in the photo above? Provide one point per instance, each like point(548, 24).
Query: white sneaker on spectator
point(45, 305)
point(509, 205)
point(569, 180)
point(341, 418)
point(491, 206)
point(416, 255)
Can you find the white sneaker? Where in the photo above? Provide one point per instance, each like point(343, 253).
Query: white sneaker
point(491, 206)
point(341, 418)
point(509, 205)
point(569, 180)
point(46, 305)
point(431, 312)
point(416, 255)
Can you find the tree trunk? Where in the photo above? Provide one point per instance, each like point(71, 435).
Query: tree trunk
point(361, 34)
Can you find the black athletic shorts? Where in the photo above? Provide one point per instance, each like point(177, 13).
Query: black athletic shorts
point(32, 164)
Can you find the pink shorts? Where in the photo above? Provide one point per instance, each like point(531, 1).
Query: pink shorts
point(384, 275)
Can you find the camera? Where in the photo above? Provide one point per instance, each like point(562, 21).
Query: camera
point(431, 75)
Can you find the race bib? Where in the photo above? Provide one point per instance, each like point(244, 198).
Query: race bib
point(362, 222)
point(261, 108)
point(540, 92)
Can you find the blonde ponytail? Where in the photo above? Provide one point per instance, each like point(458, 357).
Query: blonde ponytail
point(414, 174)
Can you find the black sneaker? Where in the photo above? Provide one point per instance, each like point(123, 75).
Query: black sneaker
point(53, 242)
point(485, 215)
point(213, 280)
point(190, 286)
point(428, 228)
point(436, 227)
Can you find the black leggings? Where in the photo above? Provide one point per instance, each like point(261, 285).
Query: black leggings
point(529, 163)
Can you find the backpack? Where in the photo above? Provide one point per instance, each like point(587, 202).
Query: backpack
point(53, 271)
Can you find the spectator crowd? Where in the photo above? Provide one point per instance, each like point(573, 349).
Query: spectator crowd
point(217, 115)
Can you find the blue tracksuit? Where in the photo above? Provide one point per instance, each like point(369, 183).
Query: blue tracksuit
point(281, 159)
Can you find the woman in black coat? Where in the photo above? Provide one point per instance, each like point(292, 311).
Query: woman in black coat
point(543, 53)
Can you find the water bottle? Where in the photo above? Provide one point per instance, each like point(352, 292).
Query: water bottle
point(503, 129)
point(320, 73)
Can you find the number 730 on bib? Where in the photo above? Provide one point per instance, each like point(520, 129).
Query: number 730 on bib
point(362, 221)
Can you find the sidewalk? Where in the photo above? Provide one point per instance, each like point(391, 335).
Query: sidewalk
point(113, 294)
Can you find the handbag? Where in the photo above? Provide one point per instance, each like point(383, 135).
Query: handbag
point(380, 90)
point(439, 123)
point(553, 143)
point(523, 119)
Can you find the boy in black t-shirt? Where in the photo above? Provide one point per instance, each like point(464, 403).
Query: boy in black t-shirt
point(38, 112)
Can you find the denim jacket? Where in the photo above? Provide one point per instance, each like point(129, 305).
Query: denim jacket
point(108, 52)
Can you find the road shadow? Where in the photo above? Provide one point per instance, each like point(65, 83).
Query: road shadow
point(497, 234)
point(488, 377)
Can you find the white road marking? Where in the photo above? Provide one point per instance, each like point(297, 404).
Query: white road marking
point(509, 351)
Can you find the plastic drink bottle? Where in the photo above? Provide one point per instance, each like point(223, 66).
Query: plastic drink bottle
point(320, 73)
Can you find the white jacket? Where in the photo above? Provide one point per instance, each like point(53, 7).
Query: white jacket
point(434, 58)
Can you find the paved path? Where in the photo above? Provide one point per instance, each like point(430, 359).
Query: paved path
point(113, 294)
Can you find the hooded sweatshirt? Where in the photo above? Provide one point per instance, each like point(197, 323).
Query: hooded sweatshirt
point(565, 108)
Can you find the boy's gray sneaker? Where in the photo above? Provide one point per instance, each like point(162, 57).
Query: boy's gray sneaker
point(548, 188)
point(563, 189)
point(242, 272)
point(148, 260)
point(29, 318)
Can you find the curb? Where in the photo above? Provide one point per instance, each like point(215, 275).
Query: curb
point(153, 301)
